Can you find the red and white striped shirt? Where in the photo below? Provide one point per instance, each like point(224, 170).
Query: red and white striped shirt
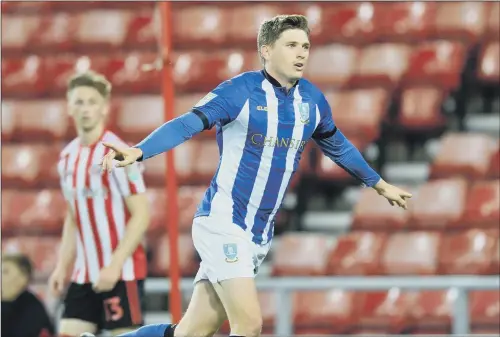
point(98, 204)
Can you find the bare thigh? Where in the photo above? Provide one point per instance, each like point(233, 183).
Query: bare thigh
point(205, 313)
point(240, 300)
point(75, 327)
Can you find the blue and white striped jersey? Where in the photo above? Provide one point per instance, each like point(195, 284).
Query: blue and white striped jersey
point(262, 130)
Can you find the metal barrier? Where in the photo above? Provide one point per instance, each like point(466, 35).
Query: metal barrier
point(283, 286)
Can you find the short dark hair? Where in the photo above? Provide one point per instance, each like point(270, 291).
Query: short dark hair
point(22, 262)
point(270, 30)
point(90, 79)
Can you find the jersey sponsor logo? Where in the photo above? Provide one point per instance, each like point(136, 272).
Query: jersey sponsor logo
point(210, 96)
point(304, 113)
point(259, 139)
point(231, 252)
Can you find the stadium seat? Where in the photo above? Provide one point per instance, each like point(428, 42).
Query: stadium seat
point(160, 264)
point(189, 198)
point(43, 252)
point(323, 312)
point(412, 253)
point(468, 252)
point(495, 260)
point(493, 29)
point(463, 154)
point(484, 307)
point(404, 21)
point(55, 34)
point(142, 30)
point(356, 253)
point(460, 20)
point(17, 31)
point(315, 14)
point(383, 311)
point(29, 166)
point(432, 312)
point(301, 254)
point(437, 62)
point(40, 120)
point(202, 26)
point(382, 64)
point(489, 60)
point(494, 169)
point(111, 35)
point(206, 163)
point(23, 76)
point(358, 113)
point(9, 119)
point(320, 70)
point(420, 108)
point(483, 205)
point(28, 7)
point(158, 211)
point(374, 213)
point(439, 204)
point(150, 110)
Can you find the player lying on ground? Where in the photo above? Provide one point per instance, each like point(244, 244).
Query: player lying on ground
point(263, 121)
point(107, 217)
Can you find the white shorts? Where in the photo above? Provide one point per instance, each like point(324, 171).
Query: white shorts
point(226, 250)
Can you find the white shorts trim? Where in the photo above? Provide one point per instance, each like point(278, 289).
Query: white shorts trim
point(226, 251)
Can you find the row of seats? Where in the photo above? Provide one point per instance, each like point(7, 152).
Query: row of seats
point(439, 63)
point(446, 204)
point(470, 252)
point(216, 26)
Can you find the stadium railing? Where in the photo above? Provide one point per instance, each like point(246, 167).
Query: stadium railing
point(283, 287)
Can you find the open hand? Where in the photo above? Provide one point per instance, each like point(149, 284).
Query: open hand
point(124, 155)
point(393, 194)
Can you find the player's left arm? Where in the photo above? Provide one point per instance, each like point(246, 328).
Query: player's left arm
point(338, 148)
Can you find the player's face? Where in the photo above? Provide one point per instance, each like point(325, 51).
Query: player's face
point(13, 280)
point(289, 54)
point(87, 107)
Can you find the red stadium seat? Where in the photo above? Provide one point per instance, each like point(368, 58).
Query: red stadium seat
point(414, 253)
point(44, 120)
point(460, 20)
point(29, 165)
point(158, 211)
point(8, 214)
point(467, 252)
point(160, 263)
point(155, 168)
point(202, 26)
point(142, 29)
point(495, 261)
point(382, 64)
point(297, 255)
point(139, 115)
point(315, 12)
point(358, 113)
point(189, 198)
point(244, 22)
point(23, 76)
point(383, 311)
point(332, 65)
point(489, 60)
point(28, 7)
point(373, 212)
point(437, 62)
point(42, 251)
point(493, 29)
point(463, 154)
point(432, 312)
point(356, 253)
point(484, 307)
point(323, 312)
point(483, 205)
point(110, 36)
point(404, 21)
point(17, 31)
point(494, 169)
point(55, 34)
point(9, 120)
point(420, 108)
point(439, 204)
point(207, 161)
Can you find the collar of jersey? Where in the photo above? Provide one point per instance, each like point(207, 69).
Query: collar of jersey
point(275, 82)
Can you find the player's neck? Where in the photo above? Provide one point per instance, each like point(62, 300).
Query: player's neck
point(282, 82)
point(90, 137)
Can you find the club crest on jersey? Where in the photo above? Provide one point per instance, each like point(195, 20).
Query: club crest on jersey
point(231, 252)
point(304, 113)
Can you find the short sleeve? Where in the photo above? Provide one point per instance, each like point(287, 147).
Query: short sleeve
point(223, 104)
point(326, 126)
point(130, 179)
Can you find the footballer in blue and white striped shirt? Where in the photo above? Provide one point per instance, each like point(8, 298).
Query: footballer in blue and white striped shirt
point(263, 121)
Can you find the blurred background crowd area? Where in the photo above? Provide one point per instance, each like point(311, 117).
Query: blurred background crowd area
point(415, 85)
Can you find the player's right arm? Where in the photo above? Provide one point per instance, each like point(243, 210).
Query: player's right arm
point(66, 257)
point(222, 105)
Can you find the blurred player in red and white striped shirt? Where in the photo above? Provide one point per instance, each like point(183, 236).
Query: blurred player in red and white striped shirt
point(107, 216)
